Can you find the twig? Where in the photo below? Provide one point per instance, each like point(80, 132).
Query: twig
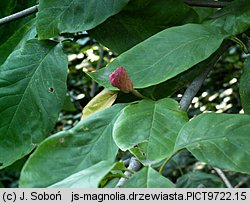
point(134, 165)
point(18, 15)
point(196, 84)
point(223, 177)
point(206, 3)
point(243, 181)
point(98, 66)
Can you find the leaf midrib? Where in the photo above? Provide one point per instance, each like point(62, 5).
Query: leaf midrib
point(27, 87)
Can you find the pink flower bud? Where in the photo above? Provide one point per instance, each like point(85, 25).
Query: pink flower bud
point(120, 79)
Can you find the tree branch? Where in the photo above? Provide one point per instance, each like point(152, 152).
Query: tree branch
point(223, 177)
point(134, 165)
point(196, 84)
point(18, 15)
point(206, 3)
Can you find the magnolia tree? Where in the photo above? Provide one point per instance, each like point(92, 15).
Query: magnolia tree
point(161, 46)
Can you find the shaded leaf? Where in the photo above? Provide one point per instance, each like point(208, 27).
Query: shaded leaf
point(220, 140)
point(101, 101)
point(8, 7)
point(148, 178)
point(56, 16)
point(139, 20)
point(32, 91)
point(234, 18)
point(17, 39)
point(68, 105)
point(14, 34)
point(152, 125)
point(87, 178)
point(77, 149)
point(198, 179)
point(245, 87)
point(174, 50)
point(204, 13)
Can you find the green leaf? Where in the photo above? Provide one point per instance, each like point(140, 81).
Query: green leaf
point(68, 105)
point(198, 179)
point(32, 91)
point(8, 7)
point(139, 20)
point(87, 178)
point(174, 50)
point(14, 34)
point(72, 151)
point(152, 125)
point(245, 87)
point(204, 13)
point(234, 18)
point(56, 16)
point(171, 86)
point(17, 39)
point(220, 140)
point(148, 178)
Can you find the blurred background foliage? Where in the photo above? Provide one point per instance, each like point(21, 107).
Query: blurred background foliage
point(220, 93)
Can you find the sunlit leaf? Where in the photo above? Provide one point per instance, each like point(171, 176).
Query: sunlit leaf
point(152, 126)
point(100, 102)
point(220, 140)
point(175, 50)
point(148, 178)
point(74, 150)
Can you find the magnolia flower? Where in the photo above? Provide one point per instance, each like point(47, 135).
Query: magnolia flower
point(120, 79)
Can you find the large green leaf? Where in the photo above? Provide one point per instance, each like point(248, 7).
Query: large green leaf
point(32, 91)
point(167, 88)
point(234, 18)
point(152, 125)
point(245, 87)
point(56, 16)
point(72, 151)
point(87, 178)
point(148, 178)
point(139, 20)
point(164, 55)
point(220, 140)
point(198, 179)
point(17, 39)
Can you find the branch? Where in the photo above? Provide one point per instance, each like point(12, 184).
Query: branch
point(18, 15)
point(223, 177)
point(196, 84)
point(206, 3)
point(134, 165)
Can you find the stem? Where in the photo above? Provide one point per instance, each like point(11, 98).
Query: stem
point(138, 94)
point(207, 3)
point(165, 162)
point(18, 15)
point(196, 84)
point(223, 177)
point(242, 45)
point(134, 165)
